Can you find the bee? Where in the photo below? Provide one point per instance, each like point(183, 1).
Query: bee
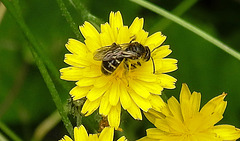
point(112, 56)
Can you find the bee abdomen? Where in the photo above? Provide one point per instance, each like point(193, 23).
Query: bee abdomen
point(108, 67)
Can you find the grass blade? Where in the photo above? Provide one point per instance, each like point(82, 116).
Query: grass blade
point(188, 26)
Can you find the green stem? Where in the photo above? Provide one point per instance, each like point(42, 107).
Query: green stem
point(188, 26)
point(14, 9)
point(40, 57)
point(53, 92)
point(9, 132)
point(69, 19)
point(85, 14)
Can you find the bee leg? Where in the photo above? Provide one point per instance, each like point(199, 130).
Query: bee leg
point(134, 66)
point(126, 64)
point(139, 63)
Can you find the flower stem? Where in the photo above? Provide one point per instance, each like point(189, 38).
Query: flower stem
point(69, 19)
point(40, 58)
point(85, 14)
point(53, 92)
point(188, 26)
point(9, 132)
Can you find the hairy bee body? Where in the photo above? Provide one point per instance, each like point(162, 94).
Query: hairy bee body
point(112, 56)
point(108, 67)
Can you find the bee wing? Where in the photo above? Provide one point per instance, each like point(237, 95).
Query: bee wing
point(101, 52)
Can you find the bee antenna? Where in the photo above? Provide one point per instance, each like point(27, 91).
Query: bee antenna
point(155, 48)
point(153, 65)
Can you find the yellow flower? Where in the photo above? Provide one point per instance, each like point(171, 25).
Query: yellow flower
point(80, 134)
point(133, 87)
point(185, 121)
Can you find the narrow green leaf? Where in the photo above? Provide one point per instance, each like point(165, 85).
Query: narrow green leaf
point(85, 14)
point(9, 132)
point(178, 11)
point(36, 51)
point(69, 19)
point(188, 26)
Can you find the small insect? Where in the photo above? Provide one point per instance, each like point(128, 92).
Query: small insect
point(111, 56)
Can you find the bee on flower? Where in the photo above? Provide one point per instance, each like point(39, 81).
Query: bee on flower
point(119, 67)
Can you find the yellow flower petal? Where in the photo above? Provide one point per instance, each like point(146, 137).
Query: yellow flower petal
point(88, 30)
point(92, 44)
point(153, 88)
point(123, 35)
point(156, 102)
point(83, 82)
point(195, 101)
point(115, 21)
point(125, 98)
point(147, 139)
point(136, 26)
point(79, 92)
point(227, 132)
point(155, 40)
point(154, 133)
point(165, 65)
point(123, 138)
point(106, 35)
point(185, 96)
point(71, 73)
point(76, 47)
point(114, 116)
point(93, 137)
point(142, 37)
point(95, 92)
point(161, 52)
point(143, 103)
point(152, 115)
point(80, 134)
point(191, 106)
point(66, 138)
point(213, 104)
point(115, 92)
point(175, 108)
point(102, 81)
point(163, 125)
point(134, 111)
point(73, 60)
point(106, 134)
point(176, 125)
point(138, 88)
point(105, 106)
point(90, 106)
point(146, 77)
point(167, 81)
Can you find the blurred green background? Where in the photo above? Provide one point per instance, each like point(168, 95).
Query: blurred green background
point(25, 100)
